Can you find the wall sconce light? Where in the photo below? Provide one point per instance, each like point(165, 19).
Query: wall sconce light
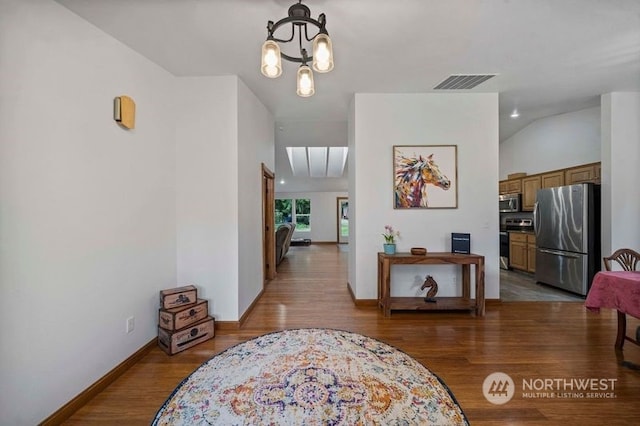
point(124, 111)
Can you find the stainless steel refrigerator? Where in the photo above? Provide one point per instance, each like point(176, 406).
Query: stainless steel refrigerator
point(567, 227)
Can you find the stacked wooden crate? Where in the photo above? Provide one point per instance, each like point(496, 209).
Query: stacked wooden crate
point(183, 319)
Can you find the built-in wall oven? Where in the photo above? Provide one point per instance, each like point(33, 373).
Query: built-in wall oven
point(509, 203)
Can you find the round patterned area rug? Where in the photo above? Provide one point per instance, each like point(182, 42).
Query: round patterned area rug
point(311, 377)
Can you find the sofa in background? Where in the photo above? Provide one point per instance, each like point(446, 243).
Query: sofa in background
point(283, 240)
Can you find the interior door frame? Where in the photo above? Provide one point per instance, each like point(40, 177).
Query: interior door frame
point(268, 224)
point(338, 219)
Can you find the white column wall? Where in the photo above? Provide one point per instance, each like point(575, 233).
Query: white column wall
point(256, 145)
point(224, 134)
point(206, 119)
point(87, 209)
point(353, 257)
point(620, 171)
point(380, 121)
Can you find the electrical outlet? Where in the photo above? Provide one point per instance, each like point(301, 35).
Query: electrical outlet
point(130, 324)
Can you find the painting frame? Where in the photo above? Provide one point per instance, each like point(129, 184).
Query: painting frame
point(417, 184)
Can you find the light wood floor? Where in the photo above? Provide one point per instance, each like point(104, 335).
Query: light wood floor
point(527, 340)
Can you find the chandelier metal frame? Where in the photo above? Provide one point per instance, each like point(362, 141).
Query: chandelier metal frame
point(299, 16)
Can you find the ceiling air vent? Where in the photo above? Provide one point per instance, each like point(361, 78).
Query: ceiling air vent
point(463, 81)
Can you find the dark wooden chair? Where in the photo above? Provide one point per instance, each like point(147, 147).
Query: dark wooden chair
point(628, 260)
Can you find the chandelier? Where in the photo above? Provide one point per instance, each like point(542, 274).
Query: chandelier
point(322, 51)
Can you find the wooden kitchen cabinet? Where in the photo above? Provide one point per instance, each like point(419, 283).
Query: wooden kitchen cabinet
point(530, 186)
point(522, 251)
point(510, 186)
point(586, 173)
point(531, 253)
point(553, 179)
point(518, 251)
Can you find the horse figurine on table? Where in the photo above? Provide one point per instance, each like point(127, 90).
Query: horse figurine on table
point(412, 177)
point(432, 285)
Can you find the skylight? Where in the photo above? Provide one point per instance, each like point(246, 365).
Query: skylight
point(317, 161)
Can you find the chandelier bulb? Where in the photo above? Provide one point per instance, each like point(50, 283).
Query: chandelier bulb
point(305, 86)
point(271, 59)
point(322, 53)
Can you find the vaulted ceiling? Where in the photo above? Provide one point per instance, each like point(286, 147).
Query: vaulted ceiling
point(550, 56)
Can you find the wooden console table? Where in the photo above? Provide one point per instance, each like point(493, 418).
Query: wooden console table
point(464, 303)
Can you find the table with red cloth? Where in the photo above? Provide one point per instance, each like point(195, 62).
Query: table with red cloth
point(618, 290)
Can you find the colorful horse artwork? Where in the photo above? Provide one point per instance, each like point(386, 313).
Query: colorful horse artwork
point(411, 180)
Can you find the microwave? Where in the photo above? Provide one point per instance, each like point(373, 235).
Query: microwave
point(509, 203)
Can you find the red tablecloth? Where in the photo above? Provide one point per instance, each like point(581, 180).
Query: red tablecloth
point(616, 290)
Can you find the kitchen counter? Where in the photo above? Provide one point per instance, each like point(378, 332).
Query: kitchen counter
point(503, 228)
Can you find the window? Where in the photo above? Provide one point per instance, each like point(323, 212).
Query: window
point(294, 210)
point(283, 212)
point(303, 214)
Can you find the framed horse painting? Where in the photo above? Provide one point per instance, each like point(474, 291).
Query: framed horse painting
point(425, 176)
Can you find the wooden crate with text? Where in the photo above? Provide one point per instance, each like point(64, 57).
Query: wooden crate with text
point(173, 342)
point(178, 296)
point(183, 316)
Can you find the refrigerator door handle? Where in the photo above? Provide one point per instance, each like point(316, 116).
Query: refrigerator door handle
point(535, 218)
point(560, 253)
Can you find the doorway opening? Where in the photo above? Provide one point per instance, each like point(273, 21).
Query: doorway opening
point(342, 220)
point(268, 223)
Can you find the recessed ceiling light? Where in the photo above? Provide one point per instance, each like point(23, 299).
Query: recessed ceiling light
point(281, 181)
point(515, 114)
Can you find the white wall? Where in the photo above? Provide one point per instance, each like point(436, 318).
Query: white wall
point(620, 172)
point(552, 143)
point(255, 146)
point(324, 217)
point(207, 190)
point(223, 135)
point(353, 196)
point(87, 211)
point(379, 121)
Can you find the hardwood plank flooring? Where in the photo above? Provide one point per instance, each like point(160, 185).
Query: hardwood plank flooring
point(527, 340)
